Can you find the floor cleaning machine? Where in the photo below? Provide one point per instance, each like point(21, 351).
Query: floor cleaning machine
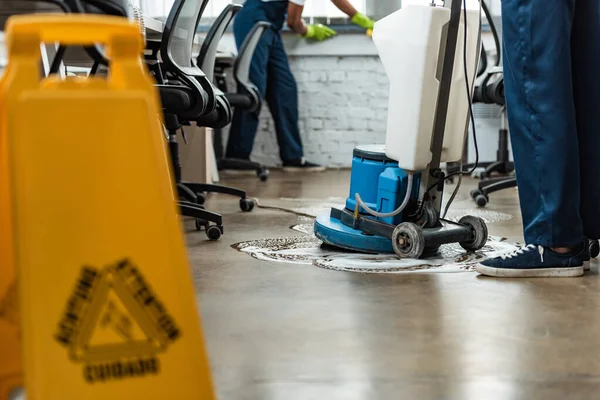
point(430, 54)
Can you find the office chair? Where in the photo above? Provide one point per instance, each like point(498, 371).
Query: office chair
point(51, 55)
point(117, 8)
point(222, 114)
point(491, 91)
point(188, 97)
point(246, 96)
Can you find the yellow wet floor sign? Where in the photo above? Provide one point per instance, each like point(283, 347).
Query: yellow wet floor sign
point(107, 303)
point(11, 367)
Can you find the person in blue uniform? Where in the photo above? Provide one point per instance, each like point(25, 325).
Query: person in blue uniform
point(270, 72)
point(551, 64)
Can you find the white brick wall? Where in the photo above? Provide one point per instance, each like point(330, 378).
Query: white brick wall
point(343, 103)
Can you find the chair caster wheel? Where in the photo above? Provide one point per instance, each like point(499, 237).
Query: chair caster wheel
point(594, 248)
point(475, 193)
point(201, 224)
point(481, 200)
point(479, 230)
point(246, 205)
point(201, 198)
point(263, 174)
point(214, 232)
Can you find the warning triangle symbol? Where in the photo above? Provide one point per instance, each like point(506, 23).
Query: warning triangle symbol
point(114, 326)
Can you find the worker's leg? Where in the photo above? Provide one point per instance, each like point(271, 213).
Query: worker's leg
point(539, 95)
point(282, 97)
point(585, 43)
point(244, 124)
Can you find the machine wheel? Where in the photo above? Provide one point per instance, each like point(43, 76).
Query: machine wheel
point(475, 193)
point(594, 248)
point(481, 200)
point(214, 232)
point(408, 240)
point(201, 224)
point(479, 230)
point(201, 198)
point(263, 174)
point(246, 205)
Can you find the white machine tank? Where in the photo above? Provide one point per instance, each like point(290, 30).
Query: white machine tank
point(410, 42)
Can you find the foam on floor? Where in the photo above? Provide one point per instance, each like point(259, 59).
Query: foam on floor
point(306, 249)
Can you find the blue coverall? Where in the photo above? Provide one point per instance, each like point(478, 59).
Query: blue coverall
point(552, 88)
point(270, 72)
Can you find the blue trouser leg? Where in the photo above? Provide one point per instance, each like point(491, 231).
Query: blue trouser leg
point(585, 48)
point(543, 119)
point(270, 73)
point(282, 97)
point(244, 124)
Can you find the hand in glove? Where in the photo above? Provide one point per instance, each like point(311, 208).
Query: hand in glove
point(318, 32)
point(363, 21)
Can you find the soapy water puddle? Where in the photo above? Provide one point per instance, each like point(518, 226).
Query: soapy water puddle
point(308, 250)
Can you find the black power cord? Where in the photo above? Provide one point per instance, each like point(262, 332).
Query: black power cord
point(471, 116)
point(468, 87)
point(488, 16)
point(469, 99)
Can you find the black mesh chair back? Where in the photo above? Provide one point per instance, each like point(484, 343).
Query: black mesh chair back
point(51, 58)
point(208, 53)
point(117, 8)
point(9, 8)
point(176, 52)
point(247, 96)
point(179, 34)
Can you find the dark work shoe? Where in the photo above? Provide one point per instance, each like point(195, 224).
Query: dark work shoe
point(239, 167)
point(534, 261)
point(300, 164)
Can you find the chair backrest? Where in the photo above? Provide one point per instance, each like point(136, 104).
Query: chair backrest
point(208, 53)
point(178, 37)
point(52, 55)
point(117, 8)
point(241, 66)
point(9, 8)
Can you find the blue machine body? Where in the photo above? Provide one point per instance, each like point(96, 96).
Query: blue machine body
point(382, 186)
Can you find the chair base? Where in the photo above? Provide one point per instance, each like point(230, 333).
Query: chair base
point(262, 172)
point(203, 219)
point(199, 191)
point(489, 186)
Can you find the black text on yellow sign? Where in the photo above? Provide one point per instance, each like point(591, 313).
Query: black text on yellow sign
point(115, 325)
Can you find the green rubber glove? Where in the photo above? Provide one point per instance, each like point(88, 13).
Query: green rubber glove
point(318, 32)
point(363, 21)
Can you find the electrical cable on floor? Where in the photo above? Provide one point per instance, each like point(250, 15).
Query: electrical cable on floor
point(287, 210)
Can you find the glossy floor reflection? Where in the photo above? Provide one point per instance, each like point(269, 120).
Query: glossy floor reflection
point(297, 332)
